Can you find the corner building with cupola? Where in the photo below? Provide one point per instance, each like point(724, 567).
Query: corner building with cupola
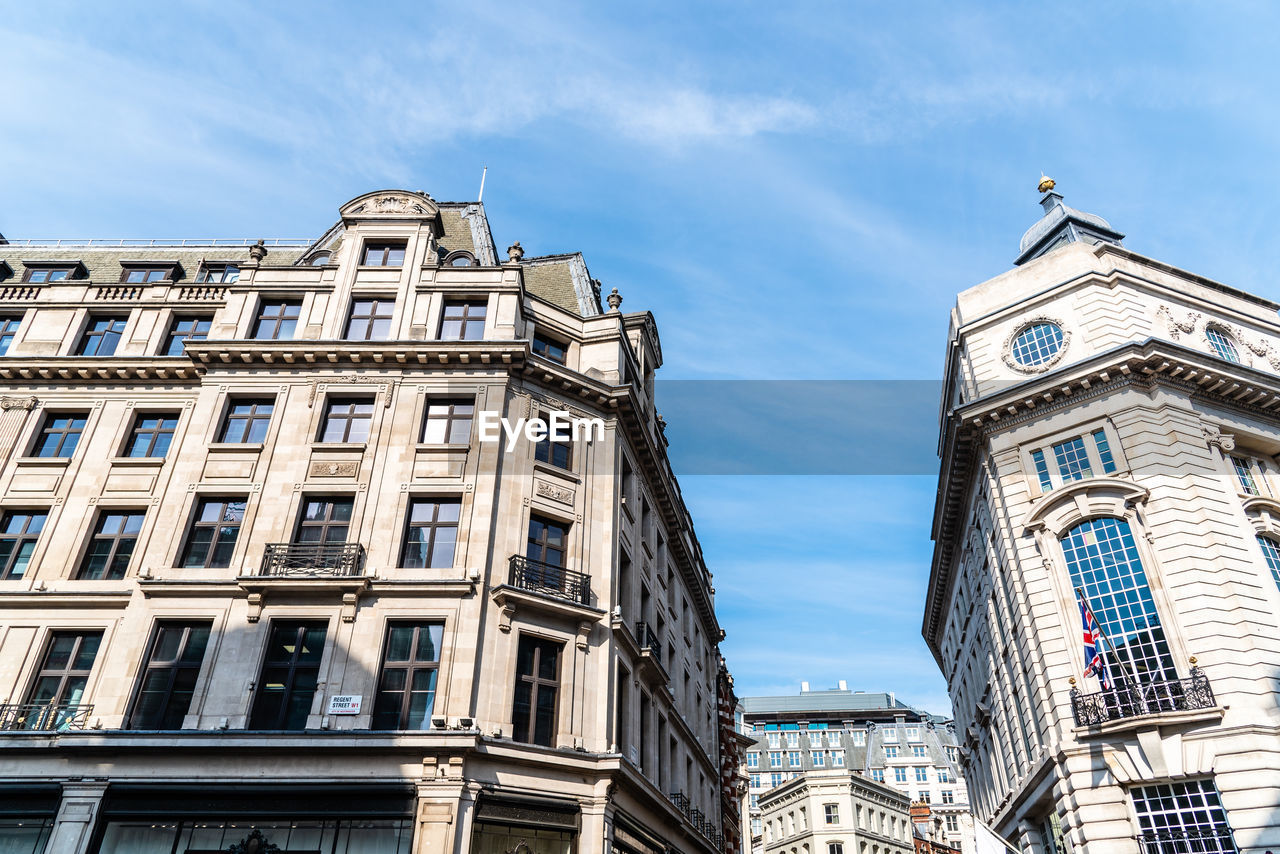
point(264, 586)
point(1110, 430)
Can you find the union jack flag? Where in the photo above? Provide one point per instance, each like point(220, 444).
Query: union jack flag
point(1095, 663)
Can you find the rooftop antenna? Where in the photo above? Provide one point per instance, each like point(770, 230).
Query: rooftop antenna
point(482, 174)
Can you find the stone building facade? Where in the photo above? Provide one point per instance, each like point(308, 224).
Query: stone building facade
point(874, 735)
point(266, 581)
point(836, 812)
point(1109, 434)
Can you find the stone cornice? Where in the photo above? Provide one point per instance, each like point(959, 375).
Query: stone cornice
point(1146, 363)
point(368, 354)
point(115, 369)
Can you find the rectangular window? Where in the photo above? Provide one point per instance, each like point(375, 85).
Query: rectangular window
point(152, 434)
point(537, 689)
point(952, 753)
point(431, 533)
point(347, 419)
point(1243, 467)
point(948, 796)
point(837, 758)
point(325, 519)
point(775, 759)
point(546, 543)
point(247, 420)
point(111, 546)
point(383, 253)
point(1184, 816)
point(1042, 471)
point(953, 822)
point(793, 758)
point(877, 774)
point(136, 274)
point(831, 813)
point(835, 848)
point(833, 738)
point(859, 737)
point(917, 750)
point(776, 779)
point(169, 677)
point(462, 321)
point(1073, 460)
point(891, 734)
point(370, 319)
point(102, 335)
point(923, 797)
point(913, 733)
point(891, 752)
point(1104, 451)
point(754, 781)
point(222, 274)
point(407, 685)
point(19, 532)
point(549, 348)
point(42, 275)
point(922, 775)
point(59, 434)
point(816, 757)
point(753, 760)
point(448, 422)
point(193, 327)
point(557, 452)
point(900, 775)
point(8, 329)
point(773, 737)
point(63, 675)
point(277, 320)
point(944, 776)
point(290, 671)
point(793, 738)
point(214, 530)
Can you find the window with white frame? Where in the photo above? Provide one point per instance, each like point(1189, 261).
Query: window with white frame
point(837, 758)
point(1271, 551)
point(833, 738)
point(900, 775)
point(944, 775)
point(891, 734)
point(775, 758)
point(774, 740)
point(953, 822)
point(891, 752)
point(753, 759)
point(913, 733)
point(948, 796)
point(1223, 344)
point(1073, 459)
point(831, 813)
point(917, 750)
point(859, 737)
point(1249, 473)
point(816, 757)
point(793, 739)
point(793, 758)
point(754, 780)
point(877, 774)
point(1185, 816)
point(922, 775)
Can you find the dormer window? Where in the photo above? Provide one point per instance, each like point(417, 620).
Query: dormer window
point(319, 259)
point(384, 253)
point(143, 273)
point(461, 258)
point(219, 273)
point(50, 273)
point(1224, 346)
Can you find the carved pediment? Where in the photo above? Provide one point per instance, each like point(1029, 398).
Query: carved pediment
point(390, 204)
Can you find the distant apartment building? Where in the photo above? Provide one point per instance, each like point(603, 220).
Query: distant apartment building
point(1109, 439)
point(835, 811)
point(872, 734)
point(264, 586)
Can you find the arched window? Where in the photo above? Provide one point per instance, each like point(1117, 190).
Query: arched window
point(1104, 563)
point(1223, 346)
point(1271, 551)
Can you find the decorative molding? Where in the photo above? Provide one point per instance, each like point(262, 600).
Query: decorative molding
point(27, 403)
point(1082, 500)
point(390, 203)
point(318, 387)
point(546, 489)
point(1215, 438)
point(323, 469)
point(1006, 351)
point(1177, 329)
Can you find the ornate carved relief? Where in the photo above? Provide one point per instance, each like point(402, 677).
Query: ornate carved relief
point(389, 204)
point(1215, 438)
point(7, 403)
point(1176, 328)
point(323, 469)
point(549, 490)
point(385, 385)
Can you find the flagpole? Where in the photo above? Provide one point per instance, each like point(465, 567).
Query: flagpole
point(1127, 664)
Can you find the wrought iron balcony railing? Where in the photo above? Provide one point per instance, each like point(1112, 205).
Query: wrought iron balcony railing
point(1209, 840)
point(539, 577)
point(312, 559)
point(700, 822)
point(648, 639)
point(1150, 698)
point(44, 717)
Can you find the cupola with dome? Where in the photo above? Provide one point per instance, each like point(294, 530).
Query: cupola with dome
point(1060, 225)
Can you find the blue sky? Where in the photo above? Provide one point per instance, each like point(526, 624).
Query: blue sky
point(796, 190)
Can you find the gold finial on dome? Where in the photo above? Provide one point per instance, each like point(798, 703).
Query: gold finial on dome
point(1046, 183)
